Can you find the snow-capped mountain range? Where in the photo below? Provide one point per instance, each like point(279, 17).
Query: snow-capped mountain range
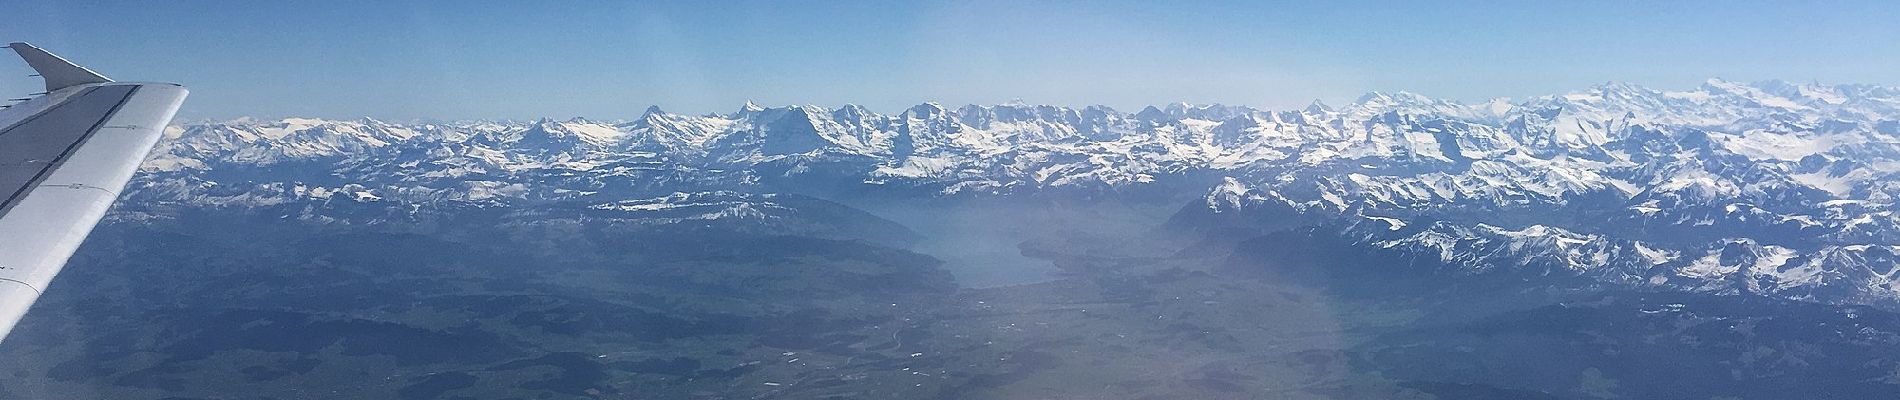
point(1771, 188)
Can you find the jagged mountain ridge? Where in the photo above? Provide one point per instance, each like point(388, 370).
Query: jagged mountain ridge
point(1771, 188)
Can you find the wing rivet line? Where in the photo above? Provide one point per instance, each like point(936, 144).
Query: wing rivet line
point(36, 289)
point(79, 186)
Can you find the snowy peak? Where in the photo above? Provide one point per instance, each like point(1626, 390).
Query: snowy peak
point(1797, 183)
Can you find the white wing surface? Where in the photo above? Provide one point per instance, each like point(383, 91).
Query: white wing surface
point(64, 157)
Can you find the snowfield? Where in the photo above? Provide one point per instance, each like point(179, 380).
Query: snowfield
point(1769, 188)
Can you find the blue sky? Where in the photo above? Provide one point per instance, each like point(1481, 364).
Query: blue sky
point(470, 59)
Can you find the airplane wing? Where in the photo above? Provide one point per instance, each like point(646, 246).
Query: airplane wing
point(64, 157)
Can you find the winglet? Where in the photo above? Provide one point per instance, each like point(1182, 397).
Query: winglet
point(58, 72)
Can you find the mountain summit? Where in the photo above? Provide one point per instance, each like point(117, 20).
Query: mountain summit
point(1769, 188)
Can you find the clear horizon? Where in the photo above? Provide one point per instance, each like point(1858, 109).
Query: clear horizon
point(481, 60)
point(898, 110)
